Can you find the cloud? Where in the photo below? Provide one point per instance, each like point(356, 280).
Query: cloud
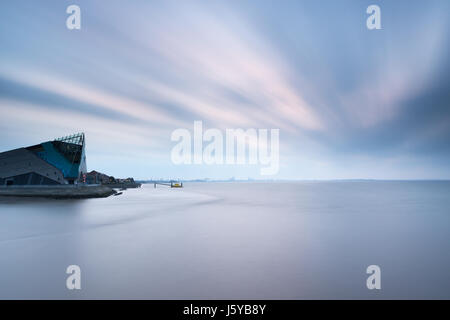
point(48, 122)
point(223, 58)
point(86, 93)
point(134, 73)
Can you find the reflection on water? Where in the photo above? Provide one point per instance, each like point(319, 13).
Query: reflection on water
point(232, 240)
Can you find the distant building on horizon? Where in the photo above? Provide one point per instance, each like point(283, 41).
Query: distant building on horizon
point(61, 161)
point(95, 177)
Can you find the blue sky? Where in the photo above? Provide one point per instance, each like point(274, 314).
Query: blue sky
point(349, 102)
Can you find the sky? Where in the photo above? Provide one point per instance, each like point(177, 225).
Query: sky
point(349, 102)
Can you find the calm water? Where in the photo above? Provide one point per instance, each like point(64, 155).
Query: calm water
point(232, 240)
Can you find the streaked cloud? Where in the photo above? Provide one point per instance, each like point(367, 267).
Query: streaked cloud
point(339, 94)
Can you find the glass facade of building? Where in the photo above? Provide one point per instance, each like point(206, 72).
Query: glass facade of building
point(61, 161)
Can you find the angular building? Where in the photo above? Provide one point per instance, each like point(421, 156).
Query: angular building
point(61, 161)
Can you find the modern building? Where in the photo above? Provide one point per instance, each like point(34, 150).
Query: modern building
point(61, 161)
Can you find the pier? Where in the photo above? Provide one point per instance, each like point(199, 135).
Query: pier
point(172, 184)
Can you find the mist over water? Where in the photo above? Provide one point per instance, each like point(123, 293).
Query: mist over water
point(232, 241)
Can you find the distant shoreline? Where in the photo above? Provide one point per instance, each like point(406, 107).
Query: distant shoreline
point(288, 180)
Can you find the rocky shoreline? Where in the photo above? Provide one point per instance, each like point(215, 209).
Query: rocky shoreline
point(58, 192)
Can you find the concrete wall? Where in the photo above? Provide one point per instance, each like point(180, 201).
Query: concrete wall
point(21, 161)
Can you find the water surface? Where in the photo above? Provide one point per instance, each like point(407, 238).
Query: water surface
point(297, 240)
